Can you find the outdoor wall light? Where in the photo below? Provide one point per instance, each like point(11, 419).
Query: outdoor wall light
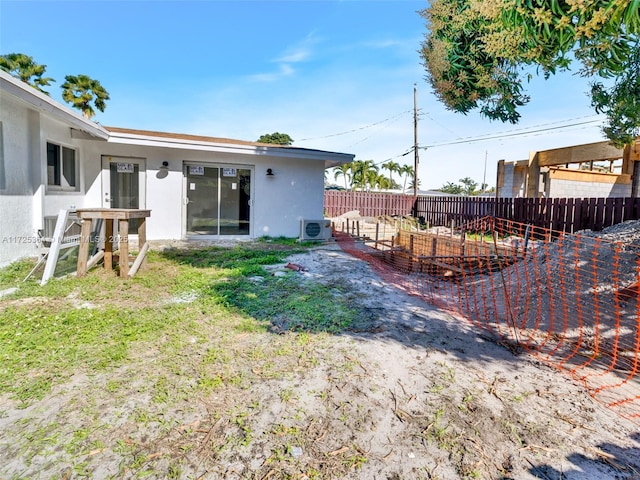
point(270, 172)
point(163, 171)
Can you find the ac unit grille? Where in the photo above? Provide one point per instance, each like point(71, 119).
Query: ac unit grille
point(315, 229)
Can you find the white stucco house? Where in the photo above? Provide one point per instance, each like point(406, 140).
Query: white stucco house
point(52, 158)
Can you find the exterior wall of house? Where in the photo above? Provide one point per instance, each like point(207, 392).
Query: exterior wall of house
point(294, 192)
point(54, 199)
point(18, 126)
point(29, 119)
point(576, 184)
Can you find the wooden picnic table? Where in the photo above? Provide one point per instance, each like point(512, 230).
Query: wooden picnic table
point(110, 215)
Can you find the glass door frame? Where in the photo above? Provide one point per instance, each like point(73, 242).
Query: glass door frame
point(185, 198)
point(107, 195)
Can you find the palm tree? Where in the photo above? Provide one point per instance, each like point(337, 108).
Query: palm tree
point(413, 185)
point(391, 166)
point(343, 170)
point(372, 179)
point(407, 171)
point(383, 183)
point(81, 90)
point(23, 67)
point(360, 172)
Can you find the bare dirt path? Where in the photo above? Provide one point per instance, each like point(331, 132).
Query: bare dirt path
point(455, 404)
point(411, 392)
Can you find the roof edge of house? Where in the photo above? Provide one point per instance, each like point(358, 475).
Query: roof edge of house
point(183, 140)
point(44, 103)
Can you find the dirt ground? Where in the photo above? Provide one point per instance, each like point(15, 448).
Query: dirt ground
point(411, 392)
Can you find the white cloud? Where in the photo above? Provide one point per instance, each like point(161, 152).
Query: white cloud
point(301, 51)
point(390, 43)
point(296, 56)
point(285, 70)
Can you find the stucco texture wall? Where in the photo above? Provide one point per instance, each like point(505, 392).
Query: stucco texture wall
point(278, 202)
point(17, 233)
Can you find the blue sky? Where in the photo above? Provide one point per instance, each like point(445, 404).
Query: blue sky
point(334, 75)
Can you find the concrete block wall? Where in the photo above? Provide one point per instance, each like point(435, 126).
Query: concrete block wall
point(506, 190)
point(570, 189)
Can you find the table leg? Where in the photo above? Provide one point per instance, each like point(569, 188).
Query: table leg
point(142, 237)
point(123, 232)
point(108, 244)
point(83, 251)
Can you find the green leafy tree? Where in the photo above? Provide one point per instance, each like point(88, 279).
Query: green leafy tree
point(23, 67)
point(276, 138)
point(372, 179)
point(467, 186)
point(451, 188)
point(408, 172)
point(470, 186)
point(81, 91)
point(413, 186)
point(476, 53)
point(343, 171)
point(362, 172)
point(391, 167)
point(621, 104)
point(382, 182)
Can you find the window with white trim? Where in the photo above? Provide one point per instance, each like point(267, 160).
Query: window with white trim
point(62, 167)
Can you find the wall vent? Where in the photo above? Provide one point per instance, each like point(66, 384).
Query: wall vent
point(315, 229)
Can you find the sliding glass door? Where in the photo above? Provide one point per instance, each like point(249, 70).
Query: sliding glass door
point(218, 200)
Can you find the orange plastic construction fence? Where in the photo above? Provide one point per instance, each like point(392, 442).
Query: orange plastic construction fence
point(571, 300)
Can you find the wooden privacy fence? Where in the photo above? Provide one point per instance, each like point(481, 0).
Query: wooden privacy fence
point(369, 204)
point(559, 214)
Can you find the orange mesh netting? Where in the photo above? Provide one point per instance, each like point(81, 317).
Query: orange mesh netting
point(571, 300)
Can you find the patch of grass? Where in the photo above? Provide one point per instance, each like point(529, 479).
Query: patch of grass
point(288, 302)
point(239, 260)
point(45, 337)
point(39, 345)
point(286, 241)
point(189, 329)
point(13, 274)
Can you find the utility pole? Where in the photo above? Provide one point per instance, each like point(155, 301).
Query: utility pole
point(416, 159)
point(484, 176)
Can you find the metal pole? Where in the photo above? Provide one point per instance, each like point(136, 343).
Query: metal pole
point(416, 159)
point(484, 176)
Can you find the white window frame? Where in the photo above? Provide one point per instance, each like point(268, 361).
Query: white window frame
point(64, 185)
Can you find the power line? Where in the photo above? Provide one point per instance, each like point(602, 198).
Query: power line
point(394, 119)
point(516, 133)
point(524, 131)
point(358, 129)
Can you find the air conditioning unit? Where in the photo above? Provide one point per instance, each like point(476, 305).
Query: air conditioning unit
point(315, 230)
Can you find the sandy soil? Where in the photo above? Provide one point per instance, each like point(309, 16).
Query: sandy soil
point(410, 393)
point(505, 416)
